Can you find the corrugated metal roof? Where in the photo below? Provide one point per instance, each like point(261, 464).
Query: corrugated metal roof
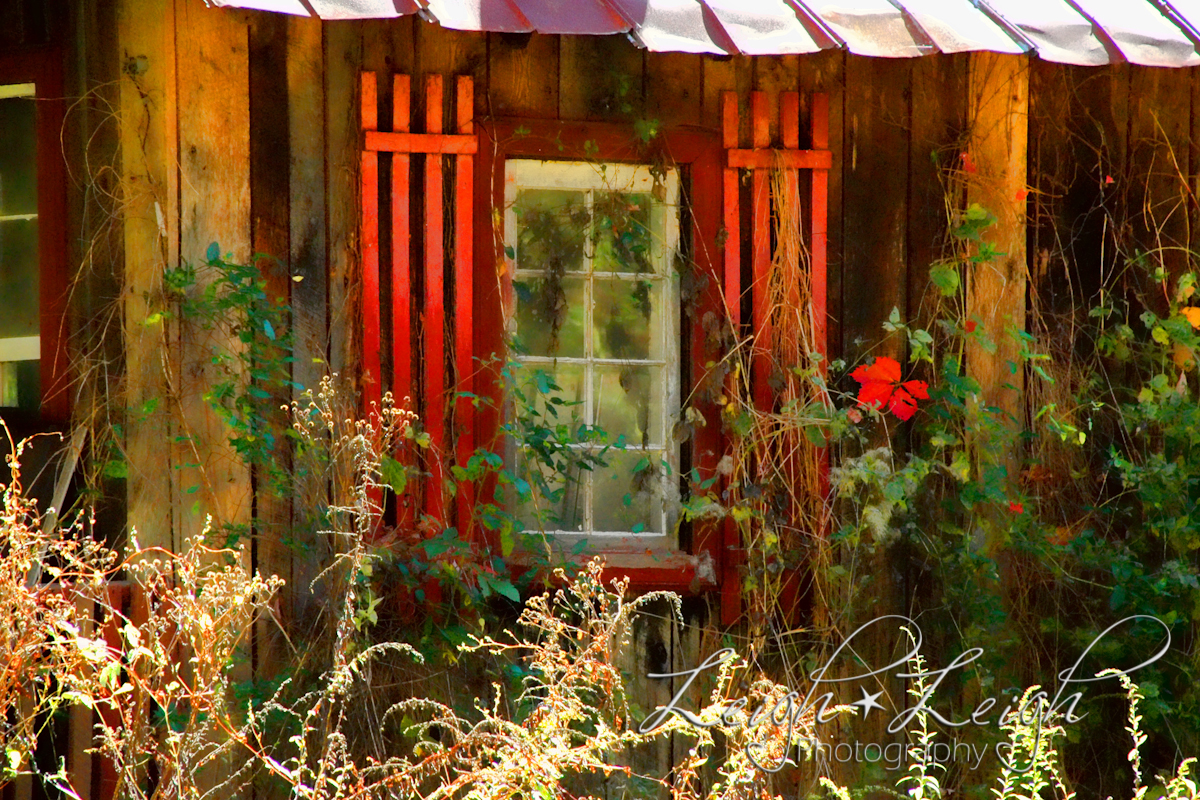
point(1161, 33)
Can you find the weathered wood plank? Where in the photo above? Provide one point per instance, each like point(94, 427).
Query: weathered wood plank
point(874, 216)
point(998, 116)
point(775, 75)
point(523, 75)
point(270, 233)
point(443, 51)
point(306, 206)
point(1157, 192)
point(600, 78)
point(149, 183)
point(939, 94)
point(673, 88)
point(214, 149)
point(720, 75)
point(343, 58)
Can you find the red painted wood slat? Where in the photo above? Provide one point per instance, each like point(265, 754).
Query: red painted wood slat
point(372, 373)
point(446, 144)
point(402, 352)
point(818, 249)
point(760, 253)
point(733, 260)
point(433, 319)
point(464, 336)
point(731, 585)
point(788, 159)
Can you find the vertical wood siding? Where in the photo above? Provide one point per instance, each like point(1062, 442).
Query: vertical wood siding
point(249, 135)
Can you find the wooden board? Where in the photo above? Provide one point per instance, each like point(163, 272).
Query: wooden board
point(774, 75)
point(522, 75)
point(150, 183)
point(342, 57)
point(600, 79)
point(734, 74)
point(307, 237)
point(674, 94)
point(270, 159)
point(998, 115)
point(939, 94)
point(214, 187)
point(1159, 175)
point(874, 214)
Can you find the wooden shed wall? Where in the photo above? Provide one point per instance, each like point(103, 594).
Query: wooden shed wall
point(242, 127)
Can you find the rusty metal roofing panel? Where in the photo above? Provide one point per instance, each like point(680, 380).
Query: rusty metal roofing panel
point(683, 26)
point(355, 9)
point(1058, 31)
point(958, 26)
point(1087, 32)
point(1142, 33)
point(589, 17)
point(281, 6)
point(766, 27)
point(500, 16)
point(873, 27)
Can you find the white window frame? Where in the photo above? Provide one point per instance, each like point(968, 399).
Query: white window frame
point(526, 174)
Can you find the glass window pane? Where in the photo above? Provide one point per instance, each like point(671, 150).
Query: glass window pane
point(624, 318)
point(557, 494)
point(18, 156)
point(548, 396)
point(551, 316)
point(624, 238)
point(552, 226)
point(627, 494)
point(628, 402)
point(19, 324)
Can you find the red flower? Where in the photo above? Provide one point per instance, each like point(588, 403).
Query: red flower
point(970, 326)
point(881, 387)
point(1016, 507)
point(968, 163)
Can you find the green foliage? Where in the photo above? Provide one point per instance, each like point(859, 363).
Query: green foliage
point(245, 340)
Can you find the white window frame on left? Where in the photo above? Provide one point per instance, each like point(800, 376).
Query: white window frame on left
point(527, 174)
point(20, 348)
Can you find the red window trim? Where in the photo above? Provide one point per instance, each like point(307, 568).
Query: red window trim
point(699, 155)
point(43, 67)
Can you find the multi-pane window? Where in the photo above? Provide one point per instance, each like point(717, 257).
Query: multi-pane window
point(595, 322)
point(20, 341)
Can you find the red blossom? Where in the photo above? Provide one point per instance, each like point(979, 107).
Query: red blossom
point(1015, 507)
point(968, 163)
point(881, 387)
point(1022, 194)
point(970, 326)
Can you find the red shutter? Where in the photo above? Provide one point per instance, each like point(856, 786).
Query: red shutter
point(431, 395)
point(758, 159)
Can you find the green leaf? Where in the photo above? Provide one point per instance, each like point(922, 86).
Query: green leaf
point(945, 277)
point(115, 469)
point(213, 252)
point(269, 329)
point(506, 588)
point(394, 474)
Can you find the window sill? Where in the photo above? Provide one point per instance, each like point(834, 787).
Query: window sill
point(646, 569)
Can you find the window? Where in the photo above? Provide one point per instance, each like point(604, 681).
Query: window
point(20, 342)
point(33, 254)
point(595, 330)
